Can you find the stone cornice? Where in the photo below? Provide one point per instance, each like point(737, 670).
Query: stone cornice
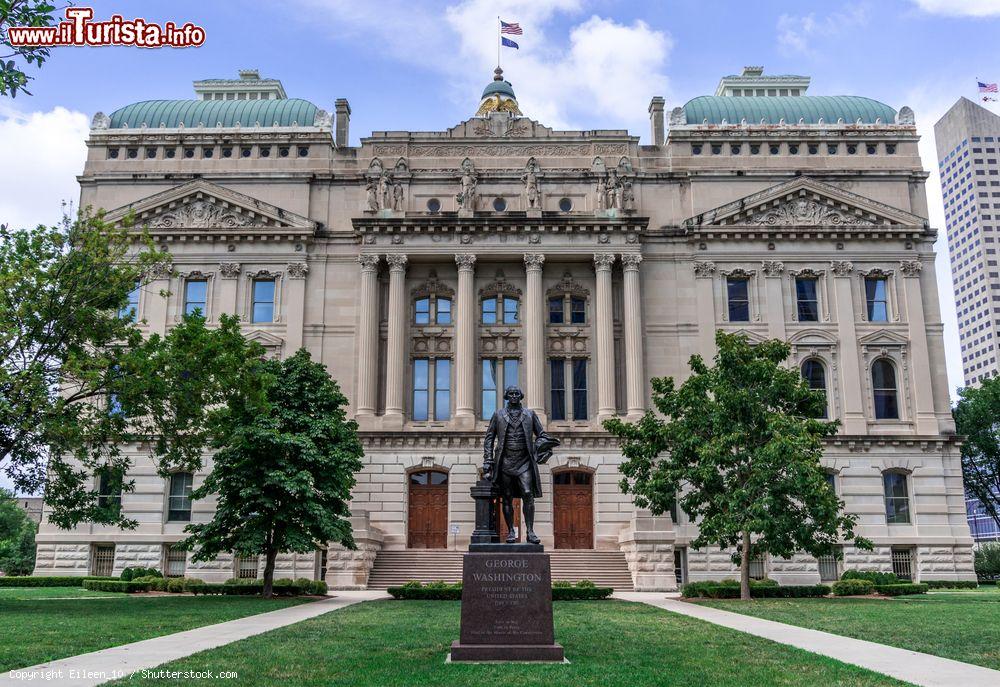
point(473, 441)
point(513, 222)
point(738, 232)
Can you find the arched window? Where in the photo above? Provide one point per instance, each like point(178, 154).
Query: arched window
point(814, 373)
point(884, 390)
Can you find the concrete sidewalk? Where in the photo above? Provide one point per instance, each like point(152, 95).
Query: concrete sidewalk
point(910, 666)
point(102, 666)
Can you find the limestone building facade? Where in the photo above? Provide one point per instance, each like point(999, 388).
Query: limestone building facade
point(428, 270)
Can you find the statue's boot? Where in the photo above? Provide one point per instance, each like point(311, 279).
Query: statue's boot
point(511, 539)
point(533, 538)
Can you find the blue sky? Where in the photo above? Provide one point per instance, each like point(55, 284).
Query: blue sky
point(405, 64)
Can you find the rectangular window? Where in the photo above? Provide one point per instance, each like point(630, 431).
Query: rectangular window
point(263, 300)
point(808, 302)
point(109, 489)
point(580, 389)
point(680, 567)
point(175, 561)
point(423, 311)
point(179, 506)
point(489, 311)
point(131, 309)
point(738, 298)
point(510, 373)
point(443, 311)
point(421, 388)
point(897, 499)
point(510, 311)
point(246, 567)
point(902, 564)
point(757, 571)
point(829, 567)
point(102, 560)
point(442, 389)
point(877, 298)
point(195, 296)
point(557, 369)
point(490, 398)
point(556, 306)
point(578, 311)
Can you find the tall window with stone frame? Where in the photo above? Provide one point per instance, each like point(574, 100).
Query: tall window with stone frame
point(567, 310)
point(109, 489)
point(884, 391)
point(262, 305)
point(738, 299)
point(196, 296)
point(807, 299)
point(814, 372)
point(432, 310)
point(500, 310)
point(568, 401)
point(877, 298)
point(897, 498)
point(497, 375)
point(431, 389)
point(130, 311)
point(179, 500)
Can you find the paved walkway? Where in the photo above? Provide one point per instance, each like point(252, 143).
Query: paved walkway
point(910, 666)
point(102, 666)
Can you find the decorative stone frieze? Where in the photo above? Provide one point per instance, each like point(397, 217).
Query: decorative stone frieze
point(297, 270)
point(229, 270)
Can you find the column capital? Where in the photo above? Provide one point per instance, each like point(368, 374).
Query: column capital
point(229, 270)
point(397, 262)
point(842, 268)
point(772, 268)
point(911, 268)
point(369, 261)
point(630, 261)
point(465, 261)
point(604, 261)
point(534, 261)
point(297, 270)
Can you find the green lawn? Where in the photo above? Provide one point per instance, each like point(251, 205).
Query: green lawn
point(962, 625)
point(38, 627)
point(609, 643)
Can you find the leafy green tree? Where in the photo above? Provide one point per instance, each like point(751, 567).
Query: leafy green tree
point(17, 537)
point(21, 13)
point(284, 466)
point(741, 442)
point(977, 417)
point(78, 381)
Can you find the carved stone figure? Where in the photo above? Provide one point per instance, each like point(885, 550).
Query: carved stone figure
point(397, 196)
point(202, 214)
point(514, 446)
point(628, 195)
point(469, 181)
point(615, 191)
point(530, 180)
point(371, 196)
point(602, 192)
point(804, 212)
point(385, 190)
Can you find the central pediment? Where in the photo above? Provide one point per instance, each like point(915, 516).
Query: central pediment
point(203, 206)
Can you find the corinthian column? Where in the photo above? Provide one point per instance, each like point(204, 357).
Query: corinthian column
point(534, 334)
point(635, 379)
point(395, 365)
point(465, 343)
point(367, 339)
point(604, 327)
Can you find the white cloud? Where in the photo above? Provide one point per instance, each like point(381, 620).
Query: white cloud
point(41, 155)
point(800, 34)
point(604, 77)
point(961, 8)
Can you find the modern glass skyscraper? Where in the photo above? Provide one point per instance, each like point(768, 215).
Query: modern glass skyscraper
point(968, 149)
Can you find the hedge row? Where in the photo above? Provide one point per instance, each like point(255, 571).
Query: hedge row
point(900, 589)
point(135, 572)
point(124, 586)
point(442, 591)
point(951, 584)
point(714, 590)
point(853, 588)
point(228, 589)
point(873, 576)
point(68, 581)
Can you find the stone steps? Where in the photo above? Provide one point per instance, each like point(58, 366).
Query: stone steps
point(394, 568)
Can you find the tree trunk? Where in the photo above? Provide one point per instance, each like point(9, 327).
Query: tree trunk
point(272, 554)
point(745, 568)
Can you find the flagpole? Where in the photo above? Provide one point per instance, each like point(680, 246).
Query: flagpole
point(499, 38)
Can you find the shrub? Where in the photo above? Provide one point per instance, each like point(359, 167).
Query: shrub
point(135, 572)
point(951, 584)
point(562, 583)
point(853, 588)
point(156, 584)
point(764, 582)
point(228, 589)
point(176, 585)
point(875, 576)
point(443, 591)
point(581, 593)
point(987, 561)
point(900, 589)
point(585, 584)
point(713, 590)
point(52, 581)
point(124, 586)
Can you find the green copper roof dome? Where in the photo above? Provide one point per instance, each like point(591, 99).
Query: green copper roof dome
point(501, 87)
point(810, 109)
point(214, 113)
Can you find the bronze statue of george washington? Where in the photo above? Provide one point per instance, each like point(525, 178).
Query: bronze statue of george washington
point(521, 445)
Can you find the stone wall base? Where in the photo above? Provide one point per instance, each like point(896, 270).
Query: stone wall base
point(346, 569)
point(648, 545)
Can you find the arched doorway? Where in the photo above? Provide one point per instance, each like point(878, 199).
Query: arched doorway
point(573, 509)
point(428, 521)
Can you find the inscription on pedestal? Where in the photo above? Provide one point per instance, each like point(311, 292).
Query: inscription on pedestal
point(506, 599)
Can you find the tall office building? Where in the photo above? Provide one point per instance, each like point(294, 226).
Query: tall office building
point(968, 149)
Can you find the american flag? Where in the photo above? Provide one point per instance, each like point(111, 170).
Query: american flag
point(987, 87)
point(515, 29)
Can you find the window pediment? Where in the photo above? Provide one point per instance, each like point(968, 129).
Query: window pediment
point(432, 286)
point(567, 286)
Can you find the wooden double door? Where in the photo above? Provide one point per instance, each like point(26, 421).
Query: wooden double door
point(428, 507)
point(573, 509)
